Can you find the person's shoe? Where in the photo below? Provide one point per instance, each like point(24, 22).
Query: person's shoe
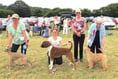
point(75, 60)
point(81, 60)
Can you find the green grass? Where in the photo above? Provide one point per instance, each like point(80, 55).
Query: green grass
point(39, 69)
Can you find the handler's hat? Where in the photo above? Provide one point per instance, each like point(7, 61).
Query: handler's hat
point(99, 20)
point(78, 10)
point(15, 16)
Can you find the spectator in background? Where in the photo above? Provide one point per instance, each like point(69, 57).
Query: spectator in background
point(96, 35)
point(18, 35)
point(0, 27)
point(44, 30)
point(27, 27)
point(69, 25)
point(78, 27)
point(56, 22)
point(35, 29)
point(52, 25)
point(65, 26)
point(9, 21)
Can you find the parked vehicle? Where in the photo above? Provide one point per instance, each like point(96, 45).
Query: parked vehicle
point(108, 23)
point(4, 24)
point(114, 20)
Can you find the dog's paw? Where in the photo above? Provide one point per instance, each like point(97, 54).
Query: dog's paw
point(22, 65)
point(73, 69)
point(105, 69)
point(50, 68)
point(9, 67)
point(70, 64)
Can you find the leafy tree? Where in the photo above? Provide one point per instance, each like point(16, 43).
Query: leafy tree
point(20, 8)
point(5, 12)
point(86, 12)
point(113, 9)
point(96, 13)
point(45, 11)
point(110, 10)
point(36, 11)
point(3, 6)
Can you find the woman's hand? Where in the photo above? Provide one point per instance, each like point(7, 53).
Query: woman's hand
point(78, 34)
point(8, 46)
point(27, 44)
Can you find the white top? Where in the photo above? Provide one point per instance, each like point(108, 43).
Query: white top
point(56, 21)
point(65, 23)
point(56, 42)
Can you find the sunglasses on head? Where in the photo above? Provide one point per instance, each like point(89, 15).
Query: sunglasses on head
point(14, 18)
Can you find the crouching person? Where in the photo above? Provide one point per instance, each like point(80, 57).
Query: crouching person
point(56, 41)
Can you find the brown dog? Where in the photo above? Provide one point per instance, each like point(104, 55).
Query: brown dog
point(94, 58)
point(15, 56)
point(56, 52)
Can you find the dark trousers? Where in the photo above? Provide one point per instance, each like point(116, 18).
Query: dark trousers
point(58, 60)
point(15, 47)
point(78, 40)
point(95, 45)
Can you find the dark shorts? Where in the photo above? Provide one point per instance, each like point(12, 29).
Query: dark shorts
point(57, 60)
point(15, 47)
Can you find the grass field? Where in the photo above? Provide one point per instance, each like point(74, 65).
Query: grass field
point(39, 69)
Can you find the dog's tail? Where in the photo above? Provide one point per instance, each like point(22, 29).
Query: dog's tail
point(71, 45)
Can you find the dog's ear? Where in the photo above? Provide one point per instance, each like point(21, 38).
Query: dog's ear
point(45, 44)
point(48, 43)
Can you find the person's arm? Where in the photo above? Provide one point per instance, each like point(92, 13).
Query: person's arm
point(74, 30)
point(25, 37)
point(62, 43)
point(103, 42)
point(77, 33)
point(63, 23)
point(10, 40)
point(88, 39)
point(103, 37)
point(83, 27)
point(89, 34)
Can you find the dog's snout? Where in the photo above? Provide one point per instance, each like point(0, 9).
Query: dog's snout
point(7, 49)
point(42, 45)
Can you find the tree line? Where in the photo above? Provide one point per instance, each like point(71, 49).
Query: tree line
point(24, 10)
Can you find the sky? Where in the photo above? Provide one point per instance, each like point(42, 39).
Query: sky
point(90, 4)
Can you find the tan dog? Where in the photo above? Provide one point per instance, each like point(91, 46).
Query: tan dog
point(94, 58)
point(56, 52)
point(15, 56)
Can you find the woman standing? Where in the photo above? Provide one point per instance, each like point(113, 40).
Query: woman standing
point(78, 27)
point(96, 36)
point(17, 35)
point(56, 41)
